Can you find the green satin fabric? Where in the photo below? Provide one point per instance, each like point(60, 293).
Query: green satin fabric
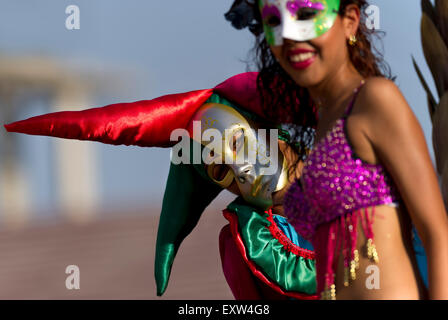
point(187, 194)
point(289, 271)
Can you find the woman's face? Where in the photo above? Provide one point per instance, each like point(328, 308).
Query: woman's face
point(308, 37)
point(311, 62)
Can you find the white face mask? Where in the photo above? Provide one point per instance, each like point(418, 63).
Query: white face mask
point(256, 180)
point(299, 20)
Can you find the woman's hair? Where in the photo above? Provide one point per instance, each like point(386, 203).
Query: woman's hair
point(285, 101)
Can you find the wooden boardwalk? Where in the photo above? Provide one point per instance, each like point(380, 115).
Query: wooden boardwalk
point(115, 257)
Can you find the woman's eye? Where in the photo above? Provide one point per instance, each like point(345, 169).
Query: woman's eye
point(306, 13)
point(272, 21)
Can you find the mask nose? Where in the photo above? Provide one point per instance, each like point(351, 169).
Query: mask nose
point(246, 174)
point(297, 30)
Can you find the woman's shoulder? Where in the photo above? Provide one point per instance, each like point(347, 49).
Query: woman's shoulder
point(379, 82)
point(384, 109)
point(378, 89)
point(380, 99)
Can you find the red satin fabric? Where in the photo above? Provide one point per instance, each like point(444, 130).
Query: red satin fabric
point(146, 123)
point(244, 285)
point(238, 241)
point(242, 90)
point(238, 275)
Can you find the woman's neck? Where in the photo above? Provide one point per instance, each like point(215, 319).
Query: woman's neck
point(336, 88)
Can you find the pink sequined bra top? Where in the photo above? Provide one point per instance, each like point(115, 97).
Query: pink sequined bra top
point(334, 188)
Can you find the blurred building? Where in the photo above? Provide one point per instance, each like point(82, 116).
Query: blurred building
point(114, 251)
point(66, 88)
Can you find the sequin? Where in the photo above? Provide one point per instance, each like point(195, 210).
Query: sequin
point(376, 185)
point(359, 185)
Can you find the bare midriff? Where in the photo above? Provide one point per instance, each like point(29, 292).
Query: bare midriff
point(395, 275)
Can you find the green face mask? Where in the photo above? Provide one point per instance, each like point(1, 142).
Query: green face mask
point(299, 20)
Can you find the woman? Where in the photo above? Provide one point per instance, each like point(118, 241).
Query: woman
point(369, 176)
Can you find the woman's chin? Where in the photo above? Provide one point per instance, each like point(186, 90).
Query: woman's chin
point(304, 78)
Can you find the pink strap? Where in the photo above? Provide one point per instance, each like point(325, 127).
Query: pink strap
point(352, 102)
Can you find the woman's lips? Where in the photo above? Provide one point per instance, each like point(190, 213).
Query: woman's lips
point(301, 58)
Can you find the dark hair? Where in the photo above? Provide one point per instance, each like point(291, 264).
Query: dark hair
point(285, 101)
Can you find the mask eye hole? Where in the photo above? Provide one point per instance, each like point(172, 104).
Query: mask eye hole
point(237, 141)
point(220, 171)
point(220, 174)
point(307, 13)
point(272, 21)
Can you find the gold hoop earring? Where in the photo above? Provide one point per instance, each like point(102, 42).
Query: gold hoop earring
point(352, 40)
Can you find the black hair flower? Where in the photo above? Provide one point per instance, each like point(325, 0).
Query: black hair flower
point(244, 14)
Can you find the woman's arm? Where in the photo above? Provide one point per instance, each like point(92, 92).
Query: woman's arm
point(399, 143)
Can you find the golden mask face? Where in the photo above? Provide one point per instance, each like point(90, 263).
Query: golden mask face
point(242, 154)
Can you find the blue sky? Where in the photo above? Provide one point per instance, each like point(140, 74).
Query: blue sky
point(168, 46)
